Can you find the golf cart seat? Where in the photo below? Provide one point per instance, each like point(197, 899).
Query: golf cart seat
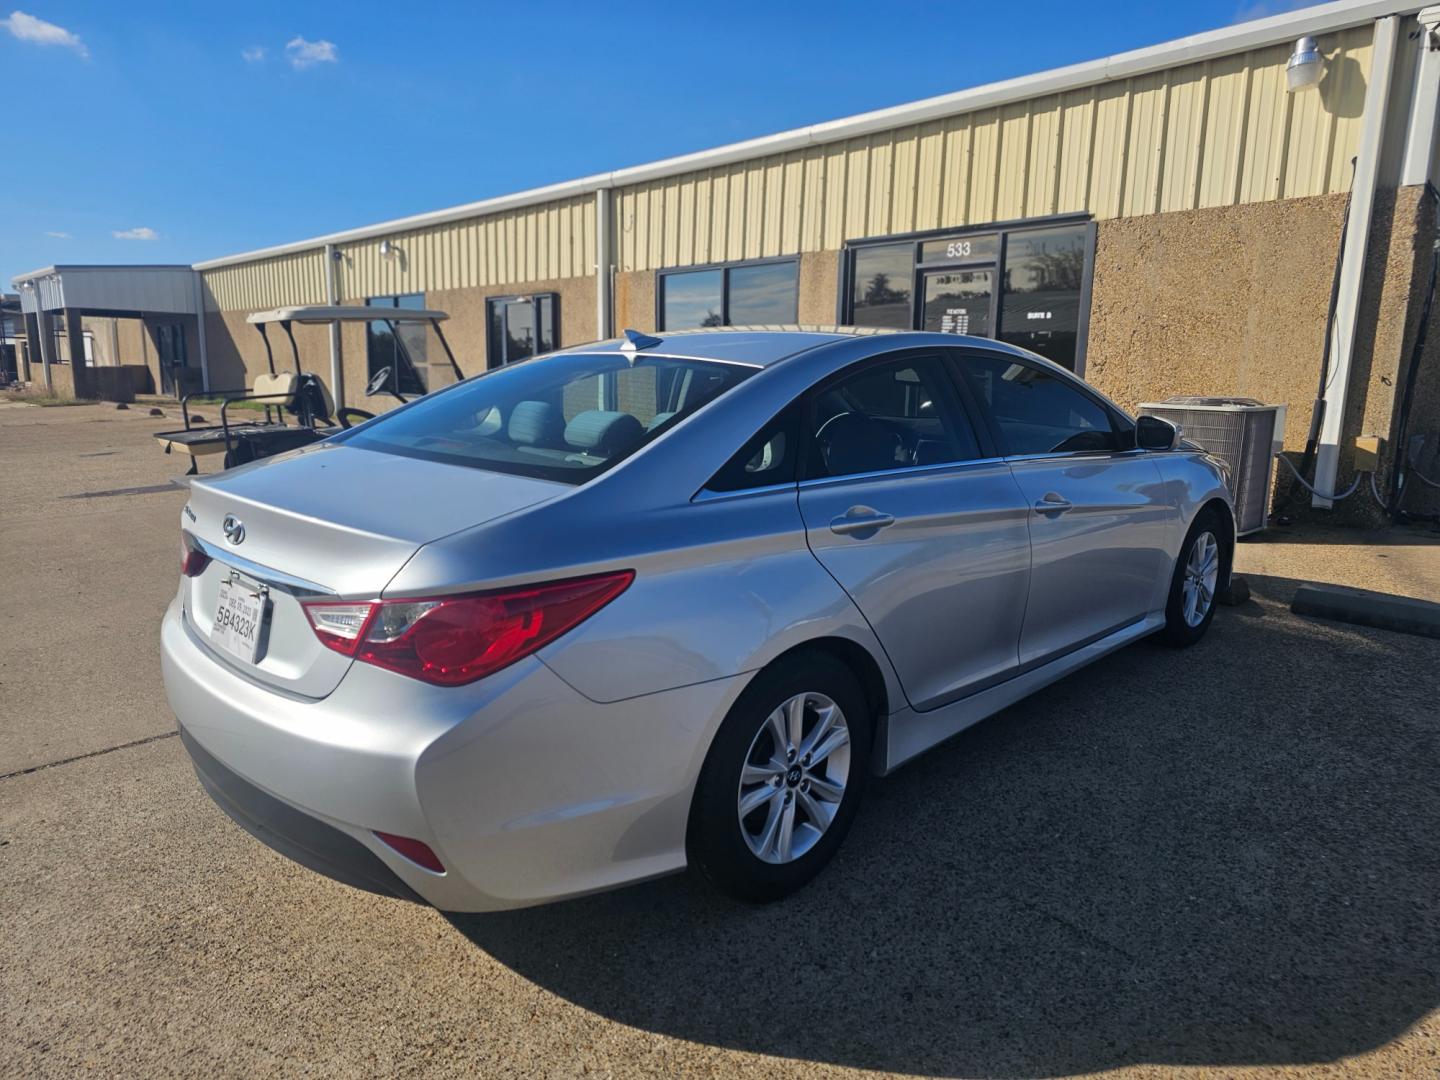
point(276, 389)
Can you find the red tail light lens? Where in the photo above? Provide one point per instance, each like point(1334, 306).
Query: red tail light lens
point(453, 640)
point(192, 560)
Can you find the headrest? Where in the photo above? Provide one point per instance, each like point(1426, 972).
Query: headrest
point(604, 432)
point(855, 443)
point(535, 423)
point(279, 387)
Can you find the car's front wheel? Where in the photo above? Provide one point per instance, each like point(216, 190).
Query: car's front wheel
point(1201, 572)
point(783, 779)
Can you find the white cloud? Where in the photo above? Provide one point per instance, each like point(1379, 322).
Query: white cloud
point(304, 54)
point(253, 55)
point(58, 235)
point(144, 232)
point(39, 32)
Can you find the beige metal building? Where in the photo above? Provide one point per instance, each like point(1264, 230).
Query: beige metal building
point(1163, 221)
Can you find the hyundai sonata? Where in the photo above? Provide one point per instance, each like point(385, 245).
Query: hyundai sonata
point(597, 616)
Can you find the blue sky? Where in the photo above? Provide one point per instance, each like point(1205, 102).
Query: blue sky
point(176, 132)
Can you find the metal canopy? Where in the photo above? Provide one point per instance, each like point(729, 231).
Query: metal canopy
point(337, 313)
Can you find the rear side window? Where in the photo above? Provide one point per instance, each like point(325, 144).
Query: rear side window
point(766, 458)
point(566, 417)
point(1037, 411)
point(894, 414)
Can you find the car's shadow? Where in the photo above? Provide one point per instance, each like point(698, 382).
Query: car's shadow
point(1221, 856)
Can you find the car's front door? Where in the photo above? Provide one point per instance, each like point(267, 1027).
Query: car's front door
point(1100, 522)
point(919, 521)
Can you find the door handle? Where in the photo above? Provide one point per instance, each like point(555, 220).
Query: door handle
point(1052, 503)
point(860, 519)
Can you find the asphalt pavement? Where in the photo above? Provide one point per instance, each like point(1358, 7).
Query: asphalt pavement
point(1215, 861)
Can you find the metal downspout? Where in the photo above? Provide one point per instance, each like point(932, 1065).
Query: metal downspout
point(200, 332)
point(604, 258)
point(332, 295)
point(1352, 271)
point(1424, 104)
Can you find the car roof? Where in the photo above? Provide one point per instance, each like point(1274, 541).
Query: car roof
point(754, 346)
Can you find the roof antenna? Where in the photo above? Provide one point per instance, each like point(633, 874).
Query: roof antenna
point(635, 341)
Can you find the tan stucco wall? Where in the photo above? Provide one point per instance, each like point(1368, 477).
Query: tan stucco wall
point(1226, 301)
point(634, 301)
point(1233, 301)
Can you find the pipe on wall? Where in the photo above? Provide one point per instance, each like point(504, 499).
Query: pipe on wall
point(199, 286)
point(1352, 269)
point(332, 296)
point(604, 258)
point(1424, 104)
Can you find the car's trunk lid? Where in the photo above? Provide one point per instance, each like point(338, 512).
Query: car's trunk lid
point(328, 522)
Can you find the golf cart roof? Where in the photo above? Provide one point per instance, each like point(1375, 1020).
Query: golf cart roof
point(334, 313)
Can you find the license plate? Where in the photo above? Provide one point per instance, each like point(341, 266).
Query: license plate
point(239, 618)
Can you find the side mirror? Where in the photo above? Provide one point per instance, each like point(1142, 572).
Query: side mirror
point(379, 382)
point(1153, 433)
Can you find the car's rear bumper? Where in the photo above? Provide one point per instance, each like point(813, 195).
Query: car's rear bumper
point(296, 835)
point(525, 789)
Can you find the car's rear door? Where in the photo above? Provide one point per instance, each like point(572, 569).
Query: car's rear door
point(1099, 517)
point(909, 508)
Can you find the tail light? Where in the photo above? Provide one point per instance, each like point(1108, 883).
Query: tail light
point(193, 560)
point(453, 640)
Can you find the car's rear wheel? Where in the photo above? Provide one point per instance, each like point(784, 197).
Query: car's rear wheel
point(783, 779)
point(1202, 570)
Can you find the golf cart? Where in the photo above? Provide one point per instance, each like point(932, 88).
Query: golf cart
point(299, 395)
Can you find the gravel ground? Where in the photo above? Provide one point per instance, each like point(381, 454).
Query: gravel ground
point(1215, 861)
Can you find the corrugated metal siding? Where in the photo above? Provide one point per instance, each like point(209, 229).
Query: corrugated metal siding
point(1203, 135)
point(539, 243)
point(267, 283)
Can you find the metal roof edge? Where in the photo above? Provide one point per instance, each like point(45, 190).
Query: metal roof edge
point(1241, 37)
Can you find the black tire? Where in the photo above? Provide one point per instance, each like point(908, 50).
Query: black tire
point(1179, 633)
point(716, 840)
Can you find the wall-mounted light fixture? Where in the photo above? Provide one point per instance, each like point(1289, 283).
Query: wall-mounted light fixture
point(1306, 65)
point(388, 249)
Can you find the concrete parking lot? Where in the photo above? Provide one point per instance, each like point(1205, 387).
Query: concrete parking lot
point(1223, 860)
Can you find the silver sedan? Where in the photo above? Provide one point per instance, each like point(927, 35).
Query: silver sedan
point(597, 616)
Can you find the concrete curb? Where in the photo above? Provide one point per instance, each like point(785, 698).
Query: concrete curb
point(1365, 608)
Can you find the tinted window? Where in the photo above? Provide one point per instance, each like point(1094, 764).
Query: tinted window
point(1040, 294)
point(767, 294)
point(565, 417)
point(1037, 411)
point(767, 458)
point(880, 295)
point(692, 299)
point(521, 327)
point(890, 415)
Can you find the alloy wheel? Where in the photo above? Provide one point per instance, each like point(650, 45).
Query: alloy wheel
point(794, 777)
point(1202, 571)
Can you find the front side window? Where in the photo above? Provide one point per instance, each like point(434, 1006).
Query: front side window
point(566, 417)
point(890, 415)
point(521, 327)
point(1037, 411)
point(400, 346)
point(753, 294)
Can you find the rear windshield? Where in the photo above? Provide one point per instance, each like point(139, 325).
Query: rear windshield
point(566, 417)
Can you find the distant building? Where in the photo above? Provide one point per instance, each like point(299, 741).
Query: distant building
point(1162, 221)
